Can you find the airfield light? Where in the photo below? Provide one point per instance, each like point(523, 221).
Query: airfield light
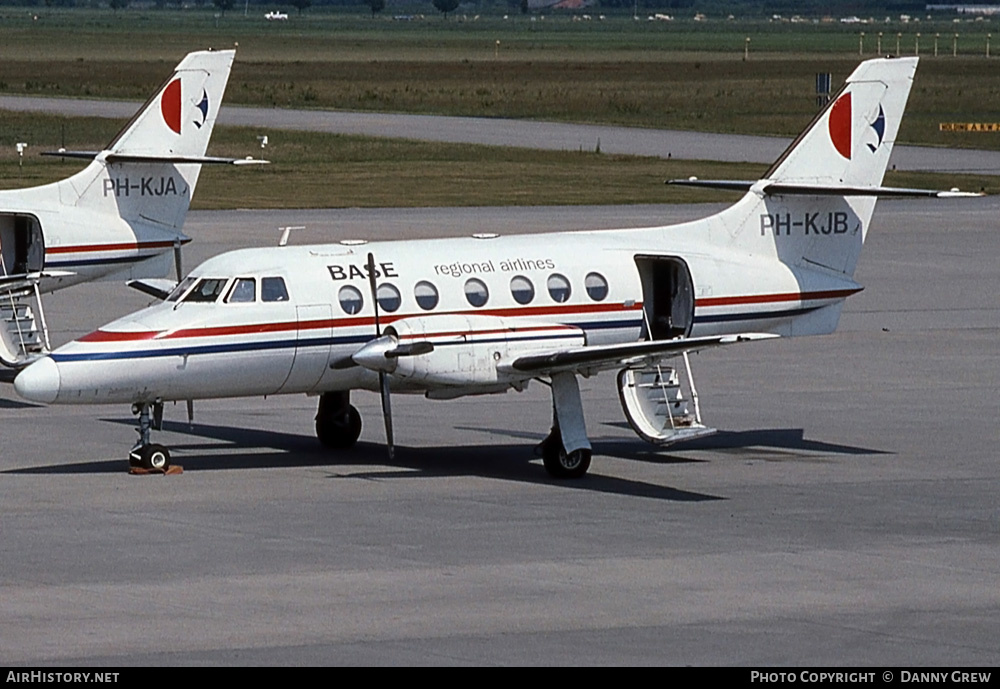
point(954, 46)
point(916, 45)
point(263, 141)
point(936, 37)
point(988, 37)
point(496, 49)
point(746, 49)
point(20, 153)
point(878, 46)
point(861, 44)
point(898, 37)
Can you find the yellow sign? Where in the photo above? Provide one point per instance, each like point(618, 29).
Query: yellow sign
point(969, 127)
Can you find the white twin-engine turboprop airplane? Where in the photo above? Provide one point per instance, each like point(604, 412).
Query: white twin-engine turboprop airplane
point(487, 314)
point(119, 218)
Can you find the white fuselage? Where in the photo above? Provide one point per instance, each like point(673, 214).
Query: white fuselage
point(126, 227)
point(187, 349)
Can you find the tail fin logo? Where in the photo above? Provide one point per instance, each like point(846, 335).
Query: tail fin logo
point(840, 125)
point(879, 126)
point(203, 107)
point(170, 105)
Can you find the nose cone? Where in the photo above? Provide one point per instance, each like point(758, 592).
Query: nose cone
point(39, 382)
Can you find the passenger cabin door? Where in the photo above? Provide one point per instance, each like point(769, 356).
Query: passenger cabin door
point(667, 296)
point(22, 249)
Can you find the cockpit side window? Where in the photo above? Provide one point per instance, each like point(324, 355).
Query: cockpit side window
point(244, 290)
point(273, 289)
point(207, 290)
point(180, 289)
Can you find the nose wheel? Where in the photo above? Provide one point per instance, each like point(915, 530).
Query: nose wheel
point(147, 455)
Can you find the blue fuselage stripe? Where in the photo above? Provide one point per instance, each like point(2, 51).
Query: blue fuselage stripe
point(291, 343)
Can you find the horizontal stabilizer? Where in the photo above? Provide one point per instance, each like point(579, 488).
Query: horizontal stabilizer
point(785, 189)
point(202, 160)
point(63, 153)
point(119, 158)
point(632, 354)
point(720, 184)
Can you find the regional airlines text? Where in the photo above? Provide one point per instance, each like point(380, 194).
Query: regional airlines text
point(62, 677)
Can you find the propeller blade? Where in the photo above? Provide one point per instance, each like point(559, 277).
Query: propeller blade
point(382, 344)
point(378, 354)
point(412, 349)
point(371, 284)
point(383, 383)
point(343, 363)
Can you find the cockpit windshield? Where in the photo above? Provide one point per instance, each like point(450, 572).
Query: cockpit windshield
point(241, 290)
point(180, 289)
point(207, 290)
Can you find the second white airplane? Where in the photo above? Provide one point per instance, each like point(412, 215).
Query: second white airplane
point(119, 218)
point(453, 317)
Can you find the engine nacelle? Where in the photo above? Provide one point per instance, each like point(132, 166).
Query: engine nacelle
point(467, 349)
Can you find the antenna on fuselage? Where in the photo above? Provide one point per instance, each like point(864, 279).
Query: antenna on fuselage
point(286, 231)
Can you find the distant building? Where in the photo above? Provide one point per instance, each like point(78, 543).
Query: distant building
point(966, 9)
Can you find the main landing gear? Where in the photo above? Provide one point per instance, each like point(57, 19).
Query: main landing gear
point(147, 455)
point(338, 423)
point(566, 451)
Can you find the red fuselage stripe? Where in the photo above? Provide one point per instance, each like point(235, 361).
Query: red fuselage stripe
point(125, 246)
point(369, 321)
point(774, 298)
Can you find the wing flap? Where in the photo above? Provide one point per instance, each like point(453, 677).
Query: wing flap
point(633, 354)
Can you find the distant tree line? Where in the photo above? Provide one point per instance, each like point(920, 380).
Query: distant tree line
point(743, 8)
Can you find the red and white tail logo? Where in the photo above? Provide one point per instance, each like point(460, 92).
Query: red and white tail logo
point(170, 105)
point(840, 125)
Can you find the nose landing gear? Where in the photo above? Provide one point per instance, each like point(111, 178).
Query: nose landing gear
point(147, 455)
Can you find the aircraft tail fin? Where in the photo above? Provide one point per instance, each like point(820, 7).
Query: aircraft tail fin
point(849, 142)
point(147, 174)
point(177, 121)
point(813, 206)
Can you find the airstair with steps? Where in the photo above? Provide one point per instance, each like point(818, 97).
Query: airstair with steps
point(23, 337)
point(657, 405)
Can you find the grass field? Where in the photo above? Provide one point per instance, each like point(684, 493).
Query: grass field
point(310, 170)
point(679, 74)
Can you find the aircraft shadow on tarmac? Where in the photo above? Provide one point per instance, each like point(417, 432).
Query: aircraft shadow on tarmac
point(772, 444)
point(15, 404)
point(507, 462)
point(779, 443)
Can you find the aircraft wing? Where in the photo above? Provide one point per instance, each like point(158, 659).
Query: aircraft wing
point(630, 355)
point(13, 283)
point(154, 287)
